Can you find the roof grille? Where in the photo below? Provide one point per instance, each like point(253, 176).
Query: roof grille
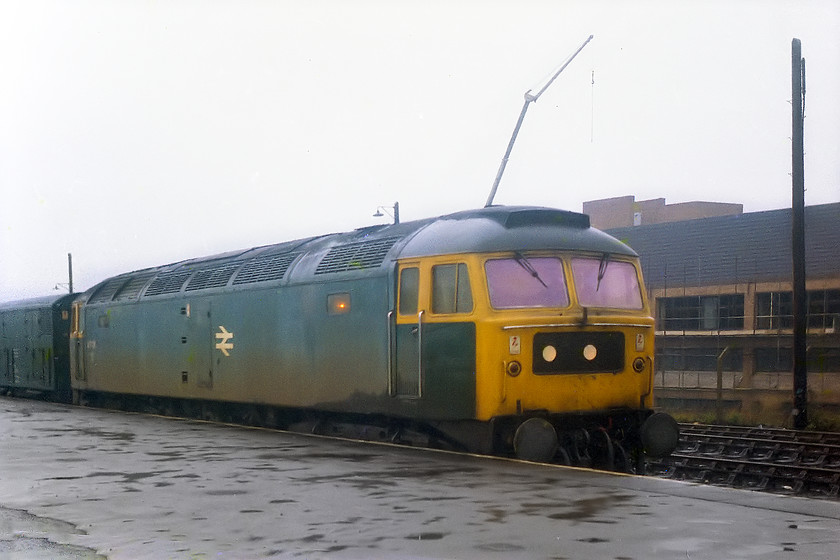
point(107, 291)
point(168, 283)
point(131, 290)
point(213, 277)
point(356, 256)
point(265, 268)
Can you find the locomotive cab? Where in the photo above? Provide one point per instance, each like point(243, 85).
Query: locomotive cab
point(563, 335)
point(554, 348)
point(568, 341)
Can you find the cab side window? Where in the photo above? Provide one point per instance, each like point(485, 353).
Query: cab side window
point(451, 291)
point(409, 290)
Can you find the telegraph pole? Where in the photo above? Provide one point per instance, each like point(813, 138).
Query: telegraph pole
point(800, 325)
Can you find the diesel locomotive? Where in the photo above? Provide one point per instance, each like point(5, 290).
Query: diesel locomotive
point(506, 330)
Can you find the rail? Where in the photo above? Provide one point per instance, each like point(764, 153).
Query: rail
point(767, 459)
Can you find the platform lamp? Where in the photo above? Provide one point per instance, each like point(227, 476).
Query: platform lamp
point(392, 211)
point(69, 285)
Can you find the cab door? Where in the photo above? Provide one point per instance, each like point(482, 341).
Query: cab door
point(435, 338)
point(408, 335)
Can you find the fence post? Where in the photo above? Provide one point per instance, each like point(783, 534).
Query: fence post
point(719, 399)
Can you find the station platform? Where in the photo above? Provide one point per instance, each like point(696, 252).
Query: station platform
point(79, 483)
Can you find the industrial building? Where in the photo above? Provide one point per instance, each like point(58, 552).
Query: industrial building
point(721, 290)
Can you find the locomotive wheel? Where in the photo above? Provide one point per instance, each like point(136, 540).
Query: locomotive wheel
point(622, 458)
point(562, 457)
point(601, 450)
point(577, 445)
point(535, 440)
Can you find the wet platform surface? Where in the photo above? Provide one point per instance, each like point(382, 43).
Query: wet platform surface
point(90, 484)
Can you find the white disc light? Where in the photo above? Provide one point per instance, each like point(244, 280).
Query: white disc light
point(549, 353)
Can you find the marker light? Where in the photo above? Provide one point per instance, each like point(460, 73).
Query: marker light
point(549, 353)
point(338, 304)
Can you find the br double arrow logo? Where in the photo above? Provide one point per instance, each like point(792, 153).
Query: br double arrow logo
point(224, 337)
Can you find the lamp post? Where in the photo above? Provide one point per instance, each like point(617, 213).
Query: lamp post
point(70, 272)
point(69, 285)
point(392, 211)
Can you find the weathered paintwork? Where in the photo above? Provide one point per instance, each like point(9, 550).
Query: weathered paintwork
point(317, 324)
point(511, 228)
point(34, 337)
point(287, 349)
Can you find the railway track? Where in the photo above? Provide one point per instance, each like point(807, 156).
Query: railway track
point(767, 459)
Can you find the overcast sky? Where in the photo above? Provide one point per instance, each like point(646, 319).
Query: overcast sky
point(137, 133)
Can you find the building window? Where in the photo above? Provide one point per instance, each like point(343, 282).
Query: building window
point(824, 309)
point(698, 359)
point(774, 310)
point(773, 360)
point(701, 313)
point(824, 360)
point(780, 360)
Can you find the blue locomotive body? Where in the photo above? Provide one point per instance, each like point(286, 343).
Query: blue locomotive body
point(494, 330)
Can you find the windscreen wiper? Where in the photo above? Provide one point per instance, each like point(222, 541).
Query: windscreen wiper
point(602, 269)
point(526, 264)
